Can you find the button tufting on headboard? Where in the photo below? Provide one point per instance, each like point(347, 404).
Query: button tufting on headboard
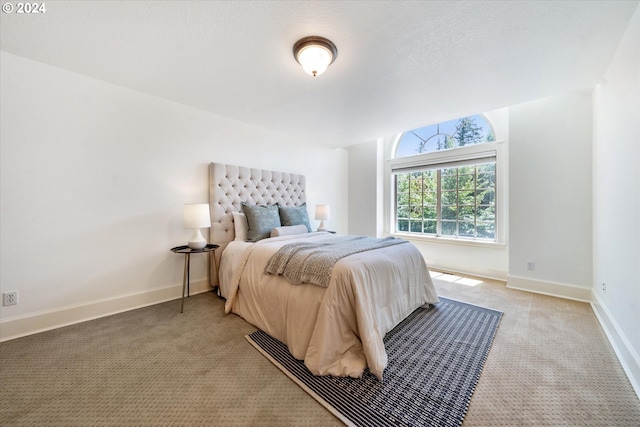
point(231, 185)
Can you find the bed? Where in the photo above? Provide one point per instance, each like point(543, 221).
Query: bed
point(337, 327)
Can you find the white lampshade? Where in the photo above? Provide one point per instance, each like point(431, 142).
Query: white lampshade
point(323, 212)
point(197, 216)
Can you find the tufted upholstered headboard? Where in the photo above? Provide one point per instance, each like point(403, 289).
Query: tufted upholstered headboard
point(231, 185)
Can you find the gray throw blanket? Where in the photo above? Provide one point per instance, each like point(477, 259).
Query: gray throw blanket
point(307, 262)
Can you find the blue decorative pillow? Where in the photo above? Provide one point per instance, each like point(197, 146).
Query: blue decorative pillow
point(261, 219)
point(294, 215)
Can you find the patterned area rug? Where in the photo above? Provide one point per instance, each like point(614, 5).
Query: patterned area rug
point(436, 356)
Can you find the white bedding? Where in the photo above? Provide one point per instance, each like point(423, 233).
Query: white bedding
point(337, 330)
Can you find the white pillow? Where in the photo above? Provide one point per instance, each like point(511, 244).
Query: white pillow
point(287, 230)
point(240, 225)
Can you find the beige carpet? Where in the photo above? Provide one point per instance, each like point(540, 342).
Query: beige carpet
point(550, 365)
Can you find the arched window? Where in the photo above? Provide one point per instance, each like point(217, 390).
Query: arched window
point(444, 180)
point(443, 136)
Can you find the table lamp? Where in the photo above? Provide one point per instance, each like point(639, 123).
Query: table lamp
point(197, 216)
point(323, 212)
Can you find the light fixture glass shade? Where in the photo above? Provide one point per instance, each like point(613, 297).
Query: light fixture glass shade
point(314, 59)
point(197, 216)
point(323, 212)
point(315, 54)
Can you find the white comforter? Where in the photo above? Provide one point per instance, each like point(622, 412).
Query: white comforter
point(337, 330)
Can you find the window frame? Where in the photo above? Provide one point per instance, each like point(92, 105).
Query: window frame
point(452, 157)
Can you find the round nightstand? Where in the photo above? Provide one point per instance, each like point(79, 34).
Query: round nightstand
point(187, 251)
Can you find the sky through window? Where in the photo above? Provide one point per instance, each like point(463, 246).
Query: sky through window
point(434, 137)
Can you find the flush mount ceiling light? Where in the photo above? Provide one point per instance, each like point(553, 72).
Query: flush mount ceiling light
point(315, 53)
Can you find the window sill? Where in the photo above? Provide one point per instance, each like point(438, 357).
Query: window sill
point(449, 241)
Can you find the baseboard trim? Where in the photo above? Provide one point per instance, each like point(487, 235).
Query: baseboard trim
point(561, 290)
point(491, 275)
point(628, 358)
point(32, 323)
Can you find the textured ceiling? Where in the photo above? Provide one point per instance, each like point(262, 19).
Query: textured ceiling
point(400, 65)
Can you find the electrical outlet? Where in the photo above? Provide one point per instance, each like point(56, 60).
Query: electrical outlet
point(10, 298)
point(604, 287)
point(531, 265)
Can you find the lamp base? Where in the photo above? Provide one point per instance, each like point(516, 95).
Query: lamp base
point(322, 227)
point(197, 245)
point(197, 240)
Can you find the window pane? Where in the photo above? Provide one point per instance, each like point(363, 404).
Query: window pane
point(486, 230)
point(431, 198)
point(487, 213)
point(449, 182)
point(467, 170)
point(487, 197)
point(486, 180)
point(430, 227)
point(403, 212)
point(430, 212)
point(449, 179)
point(487, 167)
point(403, 225)
point(466, 229)
point(448, 228)
point(460, 132)
point(430, 174)
point(416, 186)
point(416, 212)
point(415, 199)
point(449, 197)
point(449, 212)
point(467, 197)
point(402, 182)
point(430, 185)
point(466, 213)
point(403, 199)
point(466, 181)
point(416, 226)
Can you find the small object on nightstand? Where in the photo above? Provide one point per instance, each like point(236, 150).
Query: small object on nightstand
point(323, 212)
point(187, 251)
point(197, 216)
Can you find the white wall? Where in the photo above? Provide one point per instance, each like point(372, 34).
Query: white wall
point(550, 195)
point(616, 201)
point(93, 179)
point(363, 188)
